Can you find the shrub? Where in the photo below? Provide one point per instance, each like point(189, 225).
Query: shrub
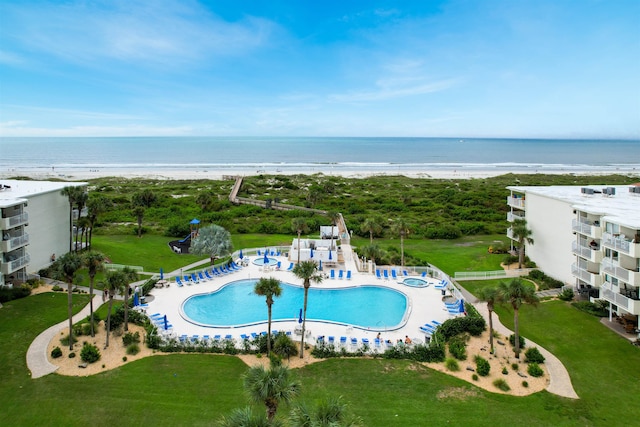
point(89, 353)
point(458, 346)
point(133, 348)
point(65, 340)
point(56, 288)
point(598, 310)
point(124, 358)
point(86, 329)
point(536, 275)
point(535, 370)
point(504, 371)
point(474, 377)
point(56, 352)
point(515, 366)
point(501, 384)
point(130, 338)
point(533, 355)
point(525, 384)
point(452, 364)
point(566, 295)
point(482, 366)
point(72, 355)
point(471, 324)
point(512, 340)
point(10, 294)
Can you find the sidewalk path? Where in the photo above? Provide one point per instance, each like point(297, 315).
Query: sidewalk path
point(37, 357)
point(559, 379)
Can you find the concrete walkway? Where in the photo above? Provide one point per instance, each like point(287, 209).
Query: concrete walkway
point(559, 379)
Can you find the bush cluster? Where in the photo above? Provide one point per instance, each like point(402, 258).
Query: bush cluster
point(535, 370)
point(566, 294)
point(452, 364)
point(482, 366)
point(458, 346)
point(533, 355)
point(501, 384)
point(459, 325)
point(9, 294)
point(595, 309)
point(544, 281)
point(89, 353)
point(133, 348)
point(130, 338)
point(56, 352)
point(512, 340)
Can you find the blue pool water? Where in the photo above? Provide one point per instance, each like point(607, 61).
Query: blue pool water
point(260, 261)
point(415, 282)
point(235, 304)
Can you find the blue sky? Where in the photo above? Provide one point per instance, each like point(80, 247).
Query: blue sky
point(538, 69)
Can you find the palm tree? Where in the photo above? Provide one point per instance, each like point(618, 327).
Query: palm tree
point(212, 240)
point(402, 228)
point(371, 225)
point(94, 261)
point(268, 287)
point(246, 418)
point(96, 205)
point(373, 252)
point(69, 264)
point(284, 346)
point(130, 276)
point(522, 234)
point(329, 412)
point(516, 293)
point(490, 296)
point(299, 225)
point(334, 217)
point(307, 271)
point(270, 386)
point(81, 201)
point(114, 283)
point(139, 203)
point(71, 192)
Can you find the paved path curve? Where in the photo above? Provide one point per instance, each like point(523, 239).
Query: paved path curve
point(559, 379)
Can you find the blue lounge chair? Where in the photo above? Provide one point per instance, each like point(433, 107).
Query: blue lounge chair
point(290, 266)
point(378, 275)
point(235, 266)
point(206, 273)
point(216, 337)
point(201, 276)
point(178, 281)
point(279, 265)
point(258, 252)
point(320, 339)
point(205, 338)
point(244, 337)
point(332, 340)
point(332, 274)
point(195, 338)
point(288, 333)
point(340, 274)
point(365, 341)
point(378, 342)
point(228, 337)
point(394, 275)
point(405, 273)
point(187, 279)
point(354, 341)
point(194, 278)
point(343, 341)
point(183, 338)
point(348, 274)
point(424, 274)
point(386, 274)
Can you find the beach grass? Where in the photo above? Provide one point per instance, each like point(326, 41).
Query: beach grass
point(194, 389)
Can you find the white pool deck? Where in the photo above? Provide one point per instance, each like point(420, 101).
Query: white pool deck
point(424, 305)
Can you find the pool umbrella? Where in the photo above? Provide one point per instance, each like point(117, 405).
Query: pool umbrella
point(266, 259)
point(166, 324)
point(240, 254)
point(320, 266)
point(136, 300)
point(311, 256)
point(300, 317)
point(161, 273)
point(329, 254)
point(461, 306)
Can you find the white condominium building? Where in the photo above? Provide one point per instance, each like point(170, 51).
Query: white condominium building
point(34, 224)
point(587, 237)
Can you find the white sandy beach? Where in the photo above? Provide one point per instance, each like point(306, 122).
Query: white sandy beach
point(461, 171)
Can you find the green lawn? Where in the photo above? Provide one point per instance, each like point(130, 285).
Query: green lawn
point(196, 389)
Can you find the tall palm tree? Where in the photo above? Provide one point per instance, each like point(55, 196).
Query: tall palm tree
point(71, 192)
point(523, 235)
point(329, 412)
point(114, 283)
point(271, 386)
point(516, 293)
point(307, 271)
point(69, 264)
point(130, 276)
point(81, 201)
point(299, 225)
point(268, 287)
point(334, 217)
point(490, 296)
point(373, 252)
point(94, 261)
point(371, 225)
point(140, 201)
point(96, 205)
point(402, 228)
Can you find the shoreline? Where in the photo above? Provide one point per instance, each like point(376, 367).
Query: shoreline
point(457, 171)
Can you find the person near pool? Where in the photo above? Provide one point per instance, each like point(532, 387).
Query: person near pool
point(407, 340)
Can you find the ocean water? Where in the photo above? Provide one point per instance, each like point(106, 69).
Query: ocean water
point(281, 154)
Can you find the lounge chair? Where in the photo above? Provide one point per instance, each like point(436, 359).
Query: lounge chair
point(386, 274)
point(354, 341)
point(206, 273)
point(187, 279)
point(405, 273)
point(378, 275)
point(279, 265)
point(348, 274)
point(394, 275)
point(183, 338)
point(365, 341)
point(216, 337)
point(258, 252)
point(178, 281)
point(424, 274)
point(332, 340)
point(195, 338)
point(290, 266)
point(235, 266)
point(244, 337)
point(332, 274)
point(201, 276)
point(343, 341)
point(340, 274)
point(205, 338)
point(228, 337)
point(194, 278)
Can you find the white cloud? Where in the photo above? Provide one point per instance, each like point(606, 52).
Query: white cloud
point(388, 89)
point(15, 129)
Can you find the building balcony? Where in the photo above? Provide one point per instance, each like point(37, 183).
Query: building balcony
point(609, 293)
point(586, 252)
point(516, 202)
point(10, 266)
point(588, 277)
point(628, 276)
point(15, 221)
point(510, 233)
point(515, 216)
point(14, 242)
point(591, 230)
point(622, 244)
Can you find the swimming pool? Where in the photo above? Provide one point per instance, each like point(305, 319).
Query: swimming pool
point(235, 304)
point(415, 282)
point(260, 261)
